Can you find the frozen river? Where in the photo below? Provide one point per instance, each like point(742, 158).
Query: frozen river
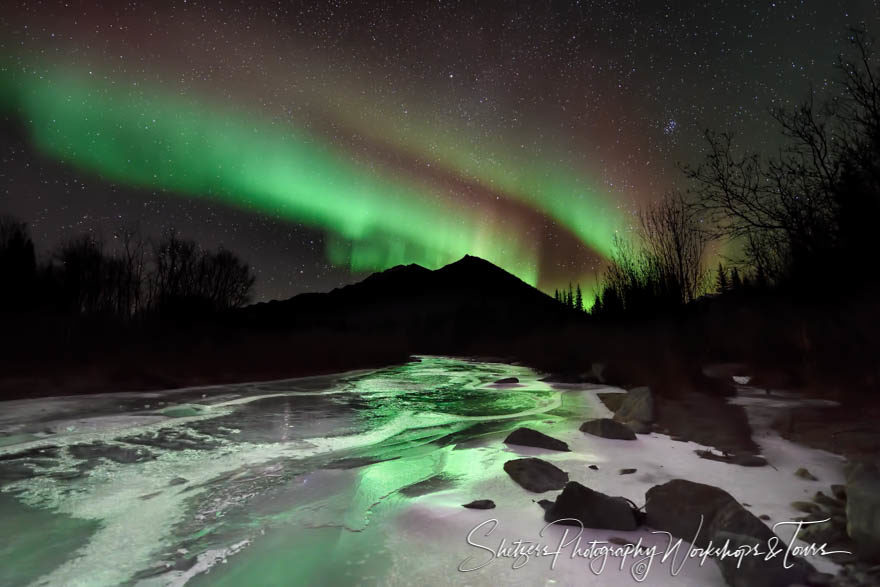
point(350, 479)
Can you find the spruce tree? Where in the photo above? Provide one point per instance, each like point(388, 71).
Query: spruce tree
point(721, 280)
point(735, 281)
point(579, 299)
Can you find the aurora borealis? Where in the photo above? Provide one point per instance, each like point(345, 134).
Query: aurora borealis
point(151, 142)
point(325, 141)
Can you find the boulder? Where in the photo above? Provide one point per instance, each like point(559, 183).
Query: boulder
point(612, 400)
point(823, 533)
point(678, 505)
point(637, 406)
point(529, 437)
point(829, 503)
point(480, 504)
point(536, 475)
point(507, 380)
point(743, 460)
point(627, 471)
point(592, 509)
point(755, 571)
point(608, 428)
point(863, 511)
point(808, 507)
point(749, 461)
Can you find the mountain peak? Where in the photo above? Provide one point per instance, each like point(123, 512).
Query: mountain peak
point(472, 261)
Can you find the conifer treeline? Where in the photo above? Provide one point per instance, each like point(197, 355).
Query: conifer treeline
point(573, 298)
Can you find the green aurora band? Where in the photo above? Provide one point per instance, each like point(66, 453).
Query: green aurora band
point(376, 219)
point(537, 180)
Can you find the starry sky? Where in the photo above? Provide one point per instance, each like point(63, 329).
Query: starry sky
point(326, 140)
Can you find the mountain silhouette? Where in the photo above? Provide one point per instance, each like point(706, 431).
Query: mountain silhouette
point(466, 301)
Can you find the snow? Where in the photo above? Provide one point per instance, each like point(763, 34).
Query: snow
point(768, 490)
point(423, 538)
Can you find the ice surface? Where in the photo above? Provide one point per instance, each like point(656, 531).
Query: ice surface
point(355, 478)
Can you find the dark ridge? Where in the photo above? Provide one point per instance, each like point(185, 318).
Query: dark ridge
point(466, 301)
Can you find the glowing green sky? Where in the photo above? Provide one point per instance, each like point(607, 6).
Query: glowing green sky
point(536, 179)
point(375, 216)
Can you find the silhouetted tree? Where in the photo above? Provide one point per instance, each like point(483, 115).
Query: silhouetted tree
point(675, 243)
point(579, 299)
point(187, 280)
point(735, 281)
point(17, 264)
point(721, 280)
point(661, 267)
point(805, 209)
point(82, 275)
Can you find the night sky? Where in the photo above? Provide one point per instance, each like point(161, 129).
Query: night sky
point(323, 142)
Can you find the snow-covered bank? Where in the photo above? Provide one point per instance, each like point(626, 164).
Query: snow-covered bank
point(657, 458)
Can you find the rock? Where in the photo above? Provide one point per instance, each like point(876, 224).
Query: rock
point(178, 481)
point(545, 503)
point(749, 461)
point(593, 467)
point(627, 471)
point(678, 505)
point(619, 541)
point(743, 460)
point(839, 491)
point(608, 428)
point(756, 571)
point(612, 400)
point(822, 533)
point(592, 509)
point(529, 437)
point(536, 475)
point(808, 507)
point(763, 517)
point(863, 511)
point(480, 504)
point(828, 502)
point(805, 474)
point(507, 380)
point(637, 406)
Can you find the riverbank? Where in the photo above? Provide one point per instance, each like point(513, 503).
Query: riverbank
point(614, 467)
point(161, 366)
